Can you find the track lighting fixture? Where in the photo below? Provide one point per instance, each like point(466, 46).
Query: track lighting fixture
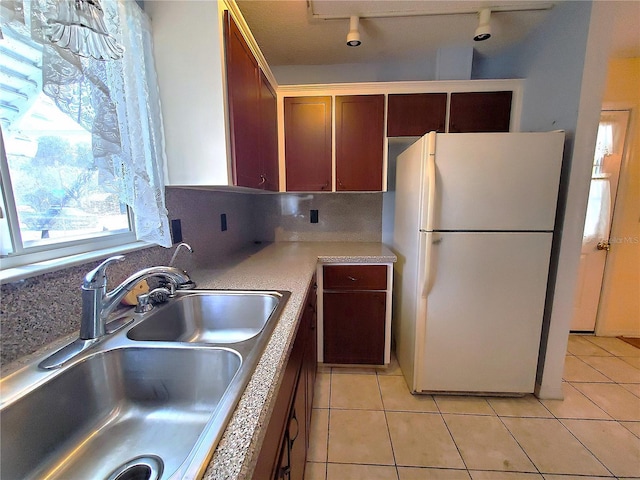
point(353, 37)
point(483, 32)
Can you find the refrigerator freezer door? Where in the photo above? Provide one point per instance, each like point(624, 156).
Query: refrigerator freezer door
point(495, 181)
point(484, 312)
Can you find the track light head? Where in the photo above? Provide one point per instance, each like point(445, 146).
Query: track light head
point(483, 32)
point(353, 37)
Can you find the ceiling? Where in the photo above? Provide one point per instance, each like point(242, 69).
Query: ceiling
point(301, 32)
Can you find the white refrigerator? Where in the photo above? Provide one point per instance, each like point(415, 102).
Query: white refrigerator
point(474, 221)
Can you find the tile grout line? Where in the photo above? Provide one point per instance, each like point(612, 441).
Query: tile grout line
point(386, 421)
point(587, 448)
point(326, 463)
point(599, 371)
point(589, 400)
point(451, 435)
point(515, 439)
point(589, 337)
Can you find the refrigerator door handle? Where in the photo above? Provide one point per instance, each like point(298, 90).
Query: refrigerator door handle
point(431, 200)
point(429, 264)
point(431, 180)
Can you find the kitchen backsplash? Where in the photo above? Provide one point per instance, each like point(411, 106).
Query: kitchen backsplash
point(41, 309)
point(342, 217)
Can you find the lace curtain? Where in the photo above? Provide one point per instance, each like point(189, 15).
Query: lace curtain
point(117, 101)
point(596, 226)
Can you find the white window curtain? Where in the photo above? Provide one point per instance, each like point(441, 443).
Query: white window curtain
point(139, 165)
point(596, 226)
point(117, 101)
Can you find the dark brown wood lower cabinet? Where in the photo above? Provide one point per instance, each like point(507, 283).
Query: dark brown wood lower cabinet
point(354, 327)
point(297, 432)
point(283, 453)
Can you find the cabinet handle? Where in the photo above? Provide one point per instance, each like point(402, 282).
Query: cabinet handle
point(297, 430)
point(353, 279)
point(263, 180)
point(340, 184)
point(325, 186)
point(285, 473)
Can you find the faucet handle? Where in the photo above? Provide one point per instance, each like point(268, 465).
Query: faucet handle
point(97, 278)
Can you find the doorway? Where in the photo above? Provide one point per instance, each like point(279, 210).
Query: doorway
point(609, 151)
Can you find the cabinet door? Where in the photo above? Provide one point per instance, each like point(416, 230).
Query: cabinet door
point(354, 327)
point(297, 431)
point(414, 114)
point(359, 142)
point(268, 136)
point(283, 467)
point(311, 353)
point(307, 143)
point(243, 86)
point(271, 459)
point(480, 112)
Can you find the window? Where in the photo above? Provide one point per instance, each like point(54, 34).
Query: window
point(50, 179)
point(69, 161)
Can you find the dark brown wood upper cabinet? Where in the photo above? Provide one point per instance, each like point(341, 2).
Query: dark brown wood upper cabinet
point(268, 135)
point(252, 114)
point(307, 143)
point(414, 114)
point(243, 80)
point(480, 112)
point(359, 142)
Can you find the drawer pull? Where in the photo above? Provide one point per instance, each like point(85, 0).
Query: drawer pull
point(352, 278)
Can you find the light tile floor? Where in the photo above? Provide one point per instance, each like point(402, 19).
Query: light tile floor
point(366, 425)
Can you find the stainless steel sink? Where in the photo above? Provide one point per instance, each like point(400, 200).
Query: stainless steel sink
point(208, 317)
point(139, 405)
point(116, 406)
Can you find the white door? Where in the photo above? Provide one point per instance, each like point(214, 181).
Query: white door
point(496, 181)
point(485, 295)
point(595, 241)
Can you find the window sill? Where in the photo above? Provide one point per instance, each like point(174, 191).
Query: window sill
point(27, 271)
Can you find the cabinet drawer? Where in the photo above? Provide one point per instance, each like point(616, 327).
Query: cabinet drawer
point(355, 277)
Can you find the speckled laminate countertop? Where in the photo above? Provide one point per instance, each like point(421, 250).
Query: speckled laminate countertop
point(277, 266)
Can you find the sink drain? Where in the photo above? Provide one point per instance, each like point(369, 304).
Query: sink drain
point(139, 468)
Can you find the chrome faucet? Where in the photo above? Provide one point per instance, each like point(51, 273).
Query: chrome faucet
point(175, 253)
point(97, 303)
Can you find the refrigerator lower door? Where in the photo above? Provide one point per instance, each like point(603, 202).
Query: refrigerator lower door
point(484, 296)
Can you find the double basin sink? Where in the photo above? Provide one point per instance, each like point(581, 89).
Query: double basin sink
point(149, 401)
